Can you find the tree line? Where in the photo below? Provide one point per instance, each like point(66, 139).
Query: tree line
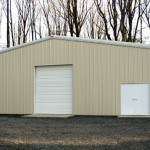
point(119, 20)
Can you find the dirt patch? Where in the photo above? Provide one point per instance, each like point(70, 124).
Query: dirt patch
point(17, 132)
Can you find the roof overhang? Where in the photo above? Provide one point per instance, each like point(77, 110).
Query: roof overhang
point(97, 41)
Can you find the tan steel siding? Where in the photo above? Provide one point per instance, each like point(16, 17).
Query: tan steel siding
point(98, 71)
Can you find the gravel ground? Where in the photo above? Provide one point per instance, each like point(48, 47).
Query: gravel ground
point(17, 132)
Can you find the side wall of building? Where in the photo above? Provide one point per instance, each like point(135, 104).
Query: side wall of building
point(98, 71)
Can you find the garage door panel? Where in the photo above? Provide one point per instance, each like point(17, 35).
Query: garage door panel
point(48, 74)
point(53, 85)
point(53, 105)
point(53, 108)
point(53, 73)
point(55, 80)
point(53, 68)
point(53, 96)
point(59, 91)
point(53, 112)
point(54, 100)
point(53, 90)
point(56, 93)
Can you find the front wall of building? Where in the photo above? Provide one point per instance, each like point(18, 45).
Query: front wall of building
point(98, 71)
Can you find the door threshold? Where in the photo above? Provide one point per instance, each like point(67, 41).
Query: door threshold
point(49, 115)
point(135, 116)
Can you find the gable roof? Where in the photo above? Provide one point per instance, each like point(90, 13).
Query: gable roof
point(98, 41)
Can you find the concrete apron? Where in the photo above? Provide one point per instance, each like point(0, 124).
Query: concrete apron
point(134, 116)
point(48, 116)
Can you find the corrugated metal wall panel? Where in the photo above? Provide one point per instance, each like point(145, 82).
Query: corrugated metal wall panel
point(98, 71)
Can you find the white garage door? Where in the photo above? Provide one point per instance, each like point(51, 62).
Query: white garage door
point(53, 93)
point(134, 99)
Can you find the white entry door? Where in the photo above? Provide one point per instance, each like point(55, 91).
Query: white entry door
point(134, 99)
point(53, 90)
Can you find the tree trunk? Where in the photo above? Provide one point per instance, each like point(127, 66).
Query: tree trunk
point(8, 31)
point(24, 31)
point(11, 25)
point(141, 33)
point(19, 30)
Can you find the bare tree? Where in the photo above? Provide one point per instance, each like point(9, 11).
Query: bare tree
point(94, 26)
point(102, 13)
point(138, 9)
point(123, 21)
point(24, 21)
point(11, 34)
point(56, 19)
point(33, 19)
point(52, 14)
point(8, 29)
point(19, 29)
point(122, 17)
point(12, 28)
point(40, 24)
point(131, 10)
point(110, 19)
point(90, 25)
point(47, 13)
point(74, 13)
point(147, 12)
point(113, 17)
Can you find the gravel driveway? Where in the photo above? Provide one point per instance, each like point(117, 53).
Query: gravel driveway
point(17, 132)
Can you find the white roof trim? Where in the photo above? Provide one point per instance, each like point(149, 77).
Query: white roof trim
point(24, 44)
point(117, 43)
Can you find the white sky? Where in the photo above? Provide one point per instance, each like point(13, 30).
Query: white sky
point(3, 30)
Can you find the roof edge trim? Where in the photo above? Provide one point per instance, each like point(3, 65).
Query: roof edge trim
point(98, 41)
point(107, 42)
point(24, 44)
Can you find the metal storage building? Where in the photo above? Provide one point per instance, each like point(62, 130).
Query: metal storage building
point(62, 75)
